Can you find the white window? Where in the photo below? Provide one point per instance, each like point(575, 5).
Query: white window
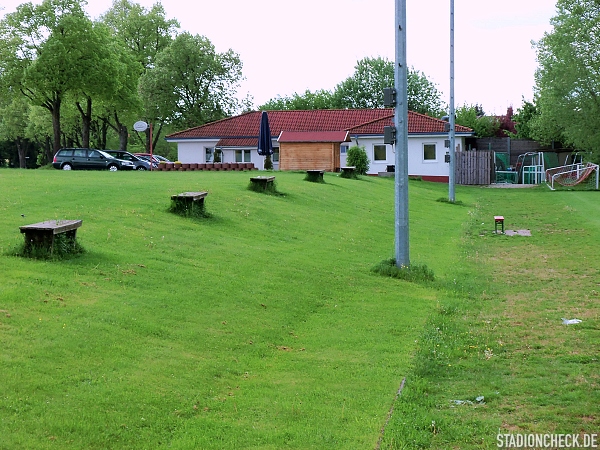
point(209, 154)
point(380, 153)
point(275, 157)
point(242, 156)
point(429, 152)
point(343, 149)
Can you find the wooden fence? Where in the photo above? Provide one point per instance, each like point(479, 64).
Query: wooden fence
point(474, 167)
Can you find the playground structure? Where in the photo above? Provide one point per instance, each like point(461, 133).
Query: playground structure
point(572, 175)
point(530, 167)
point(503, 171)
point(539, 167)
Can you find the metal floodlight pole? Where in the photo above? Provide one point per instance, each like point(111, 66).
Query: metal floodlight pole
point(452, 167)
point(401, 124)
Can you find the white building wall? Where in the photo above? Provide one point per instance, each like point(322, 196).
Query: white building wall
point(417, 165)
point(194, 151)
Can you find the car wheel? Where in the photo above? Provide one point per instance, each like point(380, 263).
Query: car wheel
point(113, 168)
point(141, 168)
point(67, 166)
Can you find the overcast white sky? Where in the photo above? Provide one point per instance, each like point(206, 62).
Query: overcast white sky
point(291, 46)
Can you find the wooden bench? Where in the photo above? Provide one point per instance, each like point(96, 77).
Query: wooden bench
point(348, 172)
point(315, 176)
point(189, 198)
point(42, 235)
point(263, 182)
point(189, 203)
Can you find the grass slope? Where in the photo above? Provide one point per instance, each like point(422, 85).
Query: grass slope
point(258, 327)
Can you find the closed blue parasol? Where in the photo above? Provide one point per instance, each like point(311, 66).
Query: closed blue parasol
point(265, 146)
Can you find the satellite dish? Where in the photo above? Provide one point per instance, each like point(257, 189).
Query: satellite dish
point(140, 126)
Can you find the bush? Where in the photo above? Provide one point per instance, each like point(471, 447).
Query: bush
point(414, 272)
point(64, 247)
point(189, 209)
point(358, 158)
point(266, 188)
point(268, 163)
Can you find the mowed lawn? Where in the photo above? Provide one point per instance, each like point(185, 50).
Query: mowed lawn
point(261, 326)
point(498, 334)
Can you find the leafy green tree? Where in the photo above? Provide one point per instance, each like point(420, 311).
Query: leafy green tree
point(104, 76)
point(144, 33)
point(568, 77)
point(358, 158)
point(473, 116)
point(39, 130)
point(523, 119)
point(123, 106)
point(191, 83)
point(13, 126)
point(321, 99)
point(423, 96)
point(364, 89)
point(49, 55)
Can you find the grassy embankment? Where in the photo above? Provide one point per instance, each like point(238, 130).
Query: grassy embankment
point(262, 326)
point(258, 327)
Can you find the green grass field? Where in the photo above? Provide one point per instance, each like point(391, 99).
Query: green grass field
point(262, 326)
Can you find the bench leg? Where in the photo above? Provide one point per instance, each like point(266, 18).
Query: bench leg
point(188, 207)
point(262, 185)
point(39, 240)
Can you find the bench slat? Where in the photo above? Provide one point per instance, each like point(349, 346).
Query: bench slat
point(191, 195)
point(56, 226)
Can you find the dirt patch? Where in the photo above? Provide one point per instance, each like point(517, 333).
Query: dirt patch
point(518, 232)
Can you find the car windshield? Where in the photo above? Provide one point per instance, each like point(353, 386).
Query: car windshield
point(106, 155)
point(155, 158)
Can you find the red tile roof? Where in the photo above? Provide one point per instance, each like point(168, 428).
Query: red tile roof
point(356, 121)
point(313, 136)
point(238, 142)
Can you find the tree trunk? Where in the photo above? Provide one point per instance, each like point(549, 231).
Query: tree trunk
point(103, 133)
point(21, 150)
point(48, 149)
point(86, 121)
point(55, 110)
point(121, 130)
point(123, 137)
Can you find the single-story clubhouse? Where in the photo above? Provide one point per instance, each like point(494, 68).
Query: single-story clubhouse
point(319, 140)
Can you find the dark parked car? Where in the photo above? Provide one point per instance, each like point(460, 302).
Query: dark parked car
point(88, 158)
point(139, 163)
